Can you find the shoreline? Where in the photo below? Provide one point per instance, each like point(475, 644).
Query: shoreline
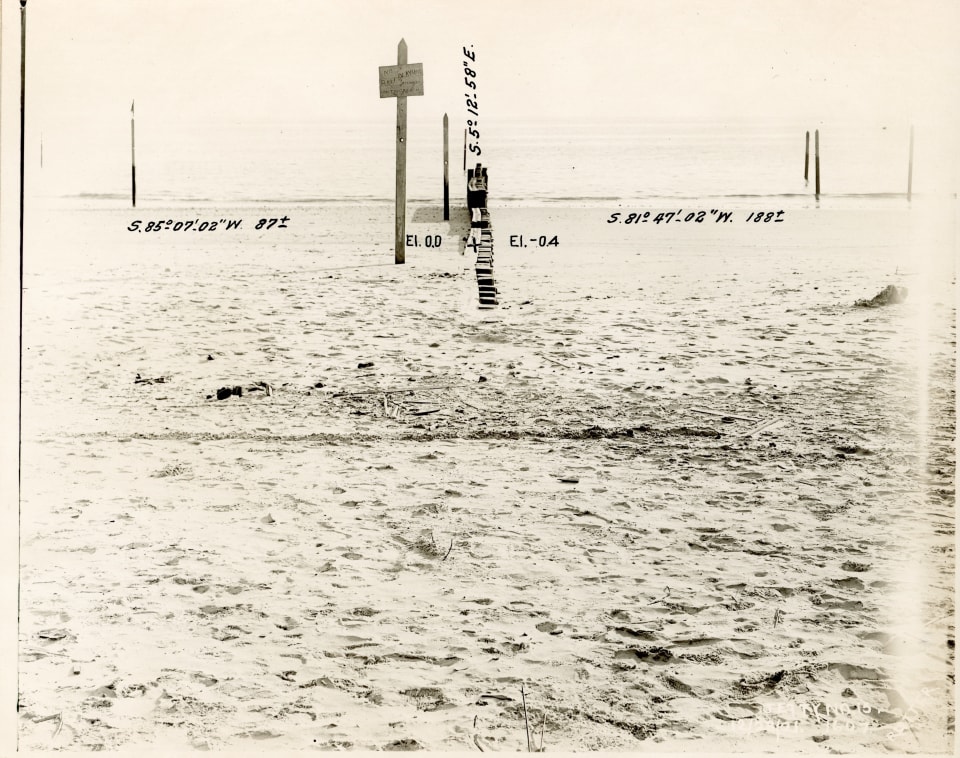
point(791, 201)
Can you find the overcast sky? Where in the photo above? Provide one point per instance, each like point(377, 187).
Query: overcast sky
point(302, 60)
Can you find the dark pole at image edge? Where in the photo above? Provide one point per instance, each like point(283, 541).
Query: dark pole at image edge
point(23, 121)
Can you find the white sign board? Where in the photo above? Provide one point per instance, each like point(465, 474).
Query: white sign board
point(404, 80)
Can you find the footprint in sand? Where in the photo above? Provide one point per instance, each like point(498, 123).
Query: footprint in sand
point(549, 628)
point(647, 654)
point(850, 671)
point(426, 698)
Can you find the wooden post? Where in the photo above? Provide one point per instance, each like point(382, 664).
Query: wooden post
point(806, 159)
point(910, 169)
point(400, 250)
point(446, 168)
point(400, 81)
point(816, 160)
point(464, 150)
point(133, 161)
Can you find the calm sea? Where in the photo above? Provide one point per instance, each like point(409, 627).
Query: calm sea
point(267, 162)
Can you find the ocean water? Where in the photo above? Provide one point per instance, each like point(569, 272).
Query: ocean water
point(258, 162)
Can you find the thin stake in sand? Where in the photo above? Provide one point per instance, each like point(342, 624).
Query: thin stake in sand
point(526, 723)
point(405, 389)
point(554, 361)
point(661, 599)
point(721, 413)
point(761, 427)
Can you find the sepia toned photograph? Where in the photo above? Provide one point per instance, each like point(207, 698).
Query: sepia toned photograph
point(539, 376)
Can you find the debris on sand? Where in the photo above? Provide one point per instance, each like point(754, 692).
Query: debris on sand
point(887, 296)
point(224, 392)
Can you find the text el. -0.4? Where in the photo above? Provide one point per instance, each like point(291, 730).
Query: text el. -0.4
point(517, 240)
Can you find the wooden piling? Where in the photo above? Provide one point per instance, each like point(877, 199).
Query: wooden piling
point(133, 160)
point(816, 161)
point(806, 159)
point(464, 150)
point(910, 168)
point(446, 168)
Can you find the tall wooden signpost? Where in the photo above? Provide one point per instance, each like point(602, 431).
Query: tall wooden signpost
point(401, 81)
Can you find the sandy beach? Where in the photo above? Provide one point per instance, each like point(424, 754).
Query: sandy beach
point(675, 493)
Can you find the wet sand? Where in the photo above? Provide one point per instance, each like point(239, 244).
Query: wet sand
point(675, 493)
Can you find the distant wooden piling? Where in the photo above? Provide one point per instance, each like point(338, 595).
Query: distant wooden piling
point(806, 159)
point(816, 161)
point(464, 150)
point(446, 168)
point(133, 159)
point(910, 169)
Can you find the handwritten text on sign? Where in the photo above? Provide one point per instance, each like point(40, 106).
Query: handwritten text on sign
point(405, 80)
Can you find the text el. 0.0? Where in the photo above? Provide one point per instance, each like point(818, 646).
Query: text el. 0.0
point(429, 240)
